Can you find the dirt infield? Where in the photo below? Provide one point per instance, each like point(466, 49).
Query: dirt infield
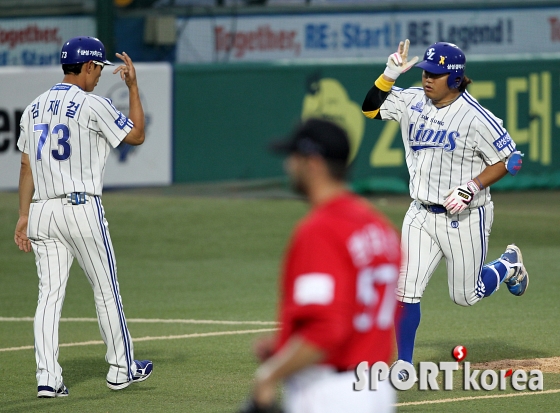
point(546, 365)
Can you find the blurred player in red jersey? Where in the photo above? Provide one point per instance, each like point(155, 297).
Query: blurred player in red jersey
point(337, 298)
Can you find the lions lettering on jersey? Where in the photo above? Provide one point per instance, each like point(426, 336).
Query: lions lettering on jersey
point(427, 138)
point(433, 137)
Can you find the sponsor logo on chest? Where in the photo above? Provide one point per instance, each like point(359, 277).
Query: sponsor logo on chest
point(418, 106)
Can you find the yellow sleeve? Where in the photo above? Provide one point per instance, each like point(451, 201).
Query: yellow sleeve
point(384, 86)
point(371, 114)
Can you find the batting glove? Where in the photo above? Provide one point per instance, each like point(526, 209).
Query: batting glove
point(251, 407)
point(398, 62)
point(459, 198)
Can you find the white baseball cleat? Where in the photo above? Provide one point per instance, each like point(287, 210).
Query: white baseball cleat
point(49, 392)
point(143, 371)
point(517, 279)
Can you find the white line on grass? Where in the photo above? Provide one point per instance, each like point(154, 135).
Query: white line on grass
point(153, 320)
point(461, 399)
point(264, 330)
point(194, 335)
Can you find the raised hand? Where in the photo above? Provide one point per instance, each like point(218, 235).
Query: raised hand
point(398, 62)
point(126, 70)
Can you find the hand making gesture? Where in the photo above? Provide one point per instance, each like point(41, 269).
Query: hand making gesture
point(127, 71)
point(398, 62)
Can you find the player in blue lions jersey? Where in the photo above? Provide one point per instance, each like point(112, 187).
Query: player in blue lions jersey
point(455, 150)
point(66, 136)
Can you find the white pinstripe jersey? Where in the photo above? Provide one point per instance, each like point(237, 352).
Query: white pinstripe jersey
point(446, 147)
point(68, 134)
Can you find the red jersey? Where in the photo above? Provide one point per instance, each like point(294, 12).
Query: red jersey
point(338, 283)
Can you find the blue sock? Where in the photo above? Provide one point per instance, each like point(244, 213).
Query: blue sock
point(489, 278)
point(406, 327)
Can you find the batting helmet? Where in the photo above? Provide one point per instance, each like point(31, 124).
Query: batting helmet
point(83, 49)
point(443, 57)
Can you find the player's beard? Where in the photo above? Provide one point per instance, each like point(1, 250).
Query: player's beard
point(298, 184)
point(294, 167)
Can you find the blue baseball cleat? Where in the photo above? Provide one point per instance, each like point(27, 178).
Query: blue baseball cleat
point(402, 374)
point(143, 371)
point(49, 392)
point(517, 279)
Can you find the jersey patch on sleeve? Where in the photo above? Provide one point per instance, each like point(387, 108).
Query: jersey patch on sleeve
point(502, 142)
point(121, 121)
point(314, 288)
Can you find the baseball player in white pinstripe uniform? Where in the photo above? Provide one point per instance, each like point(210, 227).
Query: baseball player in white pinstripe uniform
point(66, 136)
point(455, 149)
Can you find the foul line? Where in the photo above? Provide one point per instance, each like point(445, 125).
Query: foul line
point(135, 340)
point(153, 320)
point(461, 399)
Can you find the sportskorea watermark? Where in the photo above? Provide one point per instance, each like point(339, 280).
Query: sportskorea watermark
point(428, 372)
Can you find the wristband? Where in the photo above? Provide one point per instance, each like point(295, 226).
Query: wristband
point(390, 73)
point(473, 187)
point(383, 84)
point(479, 183)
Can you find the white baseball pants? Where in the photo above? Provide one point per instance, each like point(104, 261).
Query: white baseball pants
point(320, 389)
point(460, 239)
point(59, 232)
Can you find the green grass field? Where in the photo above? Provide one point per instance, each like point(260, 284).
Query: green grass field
point(216, 258)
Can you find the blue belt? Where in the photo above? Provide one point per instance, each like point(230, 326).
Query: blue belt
point(435, 208)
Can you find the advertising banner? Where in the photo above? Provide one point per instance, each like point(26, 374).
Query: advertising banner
point(37, 41)
point(366, 34)
point(148, 164)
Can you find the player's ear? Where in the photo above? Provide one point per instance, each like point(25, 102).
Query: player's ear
point(88, 67)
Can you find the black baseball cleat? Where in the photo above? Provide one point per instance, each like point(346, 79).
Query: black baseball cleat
point(47, 392)
point(143, 371)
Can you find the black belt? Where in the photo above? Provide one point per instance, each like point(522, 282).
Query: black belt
point(434, 208)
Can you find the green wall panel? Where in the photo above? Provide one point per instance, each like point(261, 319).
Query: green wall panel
point(225, 115)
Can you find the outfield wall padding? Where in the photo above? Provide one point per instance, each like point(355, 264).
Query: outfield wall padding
point(225, 116)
